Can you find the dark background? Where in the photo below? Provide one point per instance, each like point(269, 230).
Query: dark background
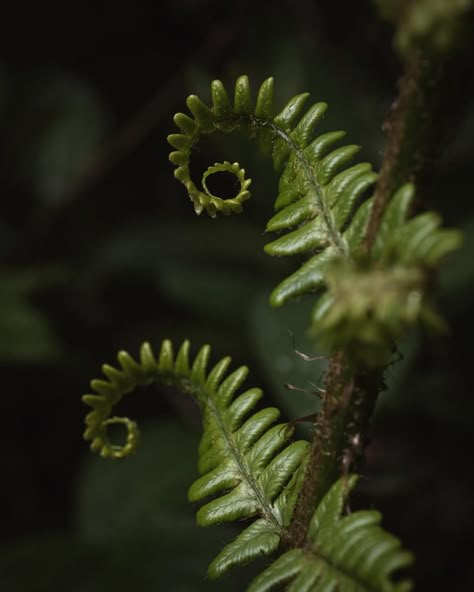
point(100, 250)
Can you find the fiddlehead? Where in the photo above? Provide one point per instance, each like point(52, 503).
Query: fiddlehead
point(247, 464)
point(252, 471)
point(322, 211)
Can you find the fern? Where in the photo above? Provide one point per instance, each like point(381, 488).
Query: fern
point(252, 471)
point(349, 553)
point(323, 209)
point(367, 294)
point(249, 464)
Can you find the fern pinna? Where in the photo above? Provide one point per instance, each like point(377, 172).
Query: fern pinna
point(365, 299)
point(251, 470)
point(367, 294)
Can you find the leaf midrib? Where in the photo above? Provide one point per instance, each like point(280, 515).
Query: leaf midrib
point(247, 475)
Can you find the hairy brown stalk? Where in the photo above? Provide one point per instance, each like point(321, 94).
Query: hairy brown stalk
point(409, 145)
point(342, 425)
point(340, 435)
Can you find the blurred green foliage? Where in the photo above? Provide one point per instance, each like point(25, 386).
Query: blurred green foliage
point(98, 258)
point(26, 334)
point(436, 25)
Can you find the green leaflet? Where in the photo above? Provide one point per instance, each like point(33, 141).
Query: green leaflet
point(342, 553)
point(247, 463)
point(364, 301)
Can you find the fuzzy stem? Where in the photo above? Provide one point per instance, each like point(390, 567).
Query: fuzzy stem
point(342, 426)
point(340, 435)
point(325, 450)
point(409, 144)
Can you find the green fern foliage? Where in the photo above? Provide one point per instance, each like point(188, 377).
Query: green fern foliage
point(342, 553)
point(251, 470)
point(370, 303)
point(324, 204)
point(249, 467)
point(318, 191)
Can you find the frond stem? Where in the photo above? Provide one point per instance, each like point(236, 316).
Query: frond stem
point(340, 435)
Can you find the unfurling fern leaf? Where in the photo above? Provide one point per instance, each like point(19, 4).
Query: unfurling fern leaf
point(252, 472)
point(342, 553)
point(246, 463)
point(323, 208)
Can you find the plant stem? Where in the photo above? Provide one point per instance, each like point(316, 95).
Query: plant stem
point(340, 434)
point(342, 426)
point(409, 144)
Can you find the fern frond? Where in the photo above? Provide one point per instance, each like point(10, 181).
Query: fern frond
point(342, 553)
point(251, 471)
point(247, 463)
point(317, 194)
point(322, 208)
